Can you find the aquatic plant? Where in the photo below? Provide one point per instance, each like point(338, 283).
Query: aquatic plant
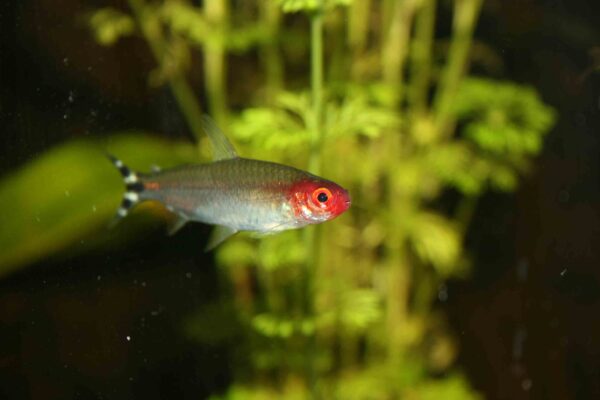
point(346, 310)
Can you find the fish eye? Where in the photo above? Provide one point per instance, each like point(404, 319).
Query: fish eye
point(321, 195)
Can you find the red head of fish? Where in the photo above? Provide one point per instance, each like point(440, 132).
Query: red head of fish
point(315, 201)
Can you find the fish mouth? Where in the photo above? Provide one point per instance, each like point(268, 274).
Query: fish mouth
point(346, 203)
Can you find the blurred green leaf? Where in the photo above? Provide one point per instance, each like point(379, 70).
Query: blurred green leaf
point(275, 326)
point(436, 240)
point(360, 308)
point(190, 22)
point(240, 392)
point(270, 130)
point(454, 387)
point(311, 5)
point(186, 20)
point(503, 118)
point(109, 25)
point(236, 251)
point(356, 115)
point(284, 249)
point(69, 192)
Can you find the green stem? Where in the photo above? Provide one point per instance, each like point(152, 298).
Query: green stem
point(398, 279)
point(465, 17)
point(337, 66)
point(358, 24)
point(269, 52)
point(422, 46)
point(359, 13)
point(395, 46)
point(215, 61)
point(316, 63)
point(181, 89)
point(315, 127)
point(310, 234)
point(464, 213)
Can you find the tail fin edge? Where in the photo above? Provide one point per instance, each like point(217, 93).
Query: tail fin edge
point(133, 188)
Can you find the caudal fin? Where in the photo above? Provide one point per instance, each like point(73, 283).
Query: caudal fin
point(133, 188)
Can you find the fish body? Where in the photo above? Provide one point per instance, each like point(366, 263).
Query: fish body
point(235, 193)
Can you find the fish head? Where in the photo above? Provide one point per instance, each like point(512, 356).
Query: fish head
point(315, 200)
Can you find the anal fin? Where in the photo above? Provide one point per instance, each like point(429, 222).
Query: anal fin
point(177, 224)
point(218, 236)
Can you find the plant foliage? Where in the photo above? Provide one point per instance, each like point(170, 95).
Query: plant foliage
point(344, 311)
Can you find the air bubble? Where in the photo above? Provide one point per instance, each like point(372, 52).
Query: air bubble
point(443, 293)
point(563, 272)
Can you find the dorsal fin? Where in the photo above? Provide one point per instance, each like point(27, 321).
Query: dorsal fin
point(222, 147)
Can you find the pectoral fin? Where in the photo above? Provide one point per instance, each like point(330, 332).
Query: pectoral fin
point(218, 236)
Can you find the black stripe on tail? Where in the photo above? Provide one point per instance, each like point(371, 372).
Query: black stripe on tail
point(133, 187)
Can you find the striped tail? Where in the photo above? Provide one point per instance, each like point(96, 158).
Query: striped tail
point(133, 188)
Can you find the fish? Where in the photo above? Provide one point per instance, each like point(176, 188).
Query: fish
point(234, 193)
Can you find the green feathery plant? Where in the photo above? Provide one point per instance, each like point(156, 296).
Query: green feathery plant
point(346, 310)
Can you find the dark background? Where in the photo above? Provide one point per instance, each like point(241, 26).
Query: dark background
point(527, 320)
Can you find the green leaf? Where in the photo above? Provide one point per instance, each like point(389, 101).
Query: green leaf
point(191, 23)
point(503, 118)
point(361, 308)
point(310, 5)
point(275, 326)
point(436, 241)
point(70, 193)
point(109, 25)
point(356, 115)
point(453, 387)
point(270, 130)
point(187, 21)
point(284, 249)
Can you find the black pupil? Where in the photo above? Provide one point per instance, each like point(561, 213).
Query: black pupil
point(322, 197)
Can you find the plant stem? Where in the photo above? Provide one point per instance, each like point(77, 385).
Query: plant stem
point(358, 24)
point(314, 126)
point(359, 13)
point(182, 91)
point(395, 45)
point(316, 82)
point(465, 16)
point(398, 274)
point(310, 234)
point(269, 51)
point(464, 213)
point(338, 67)
point(215, 61)
point(422, 45)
